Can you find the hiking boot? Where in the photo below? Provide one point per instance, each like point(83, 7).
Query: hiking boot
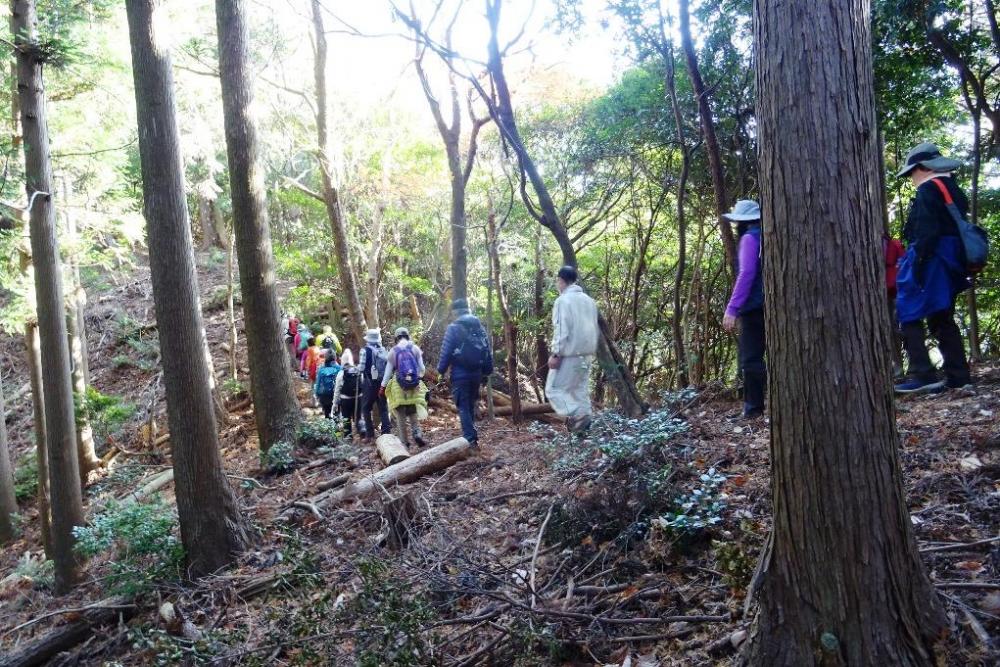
point(420, 441)
point(918, 386)
point(750, 415)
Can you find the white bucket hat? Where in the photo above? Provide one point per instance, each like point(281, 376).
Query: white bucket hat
point(743, 210)
point(373, 336)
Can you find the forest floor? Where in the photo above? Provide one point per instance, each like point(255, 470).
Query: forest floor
point(633, 546)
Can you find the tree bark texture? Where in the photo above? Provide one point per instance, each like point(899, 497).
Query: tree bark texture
point(509, 325)
point(60, 419)
point(33, 350)
point(840, 581)
point(8, 500)
point(502, 112)
point(708, 130)
point(331, 196)
point(211, 538)
point(276, 411)
point(680, 358)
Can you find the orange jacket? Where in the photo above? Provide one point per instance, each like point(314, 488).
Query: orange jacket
point(311, 360)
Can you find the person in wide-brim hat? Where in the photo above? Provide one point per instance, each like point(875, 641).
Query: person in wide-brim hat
point(928, 156)
point(373, 336)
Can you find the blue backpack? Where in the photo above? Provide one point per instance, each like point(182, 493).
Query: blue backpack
point(326, 378)
point(407, 369)
point(474, 351)
point(974, 239)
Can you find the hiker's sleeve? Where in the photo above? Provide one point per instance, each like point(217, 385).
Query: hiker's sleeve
point(446, 347)
point(925, 226)
point(338, 385)
point(749, 265)
point(390, 367)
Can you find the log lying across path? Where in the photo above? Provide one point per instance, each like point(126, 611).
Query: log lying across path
point(527, 409)
point(391, 449)
point(410, 470)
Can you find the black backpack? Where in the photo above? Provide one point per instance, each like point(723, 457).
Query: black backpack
point(352, 377)
point(473, 353)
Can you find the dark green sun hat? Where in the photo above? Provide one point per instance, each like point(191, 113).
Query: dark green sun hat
point(928, 156)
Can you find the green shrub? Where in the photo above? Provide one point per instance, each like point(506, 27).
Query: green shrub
point(700, 509)
point(107, 414)
point(143, 538)
point(26, 477)
point(40, 572)
point(321, 432)
point(278, 459)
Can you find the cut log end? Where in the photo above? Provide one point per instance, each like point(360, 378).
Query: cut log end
point(391, 449)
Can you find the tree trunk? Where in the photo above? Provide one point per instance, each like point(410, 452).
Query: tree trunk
point(509, 325)
point(34, 351)
point(276, 410)
point(680, 360)
point(212, 539)
point(538, 307)
point(331, 196)
point(840, 581)
point(708, 129)
point(8, 500)
point(975, 349)
point(77, 330)
point(502, 111)
point(223, 232)
point(60, 421)
point(234, 370)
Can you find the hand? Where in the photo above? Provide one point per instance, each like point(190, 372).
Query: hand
point(381, 392)
point(554, 361)
point(729, 322)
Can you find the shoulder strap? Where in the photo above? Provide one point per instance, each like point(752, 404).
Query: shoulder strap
point(944, 191)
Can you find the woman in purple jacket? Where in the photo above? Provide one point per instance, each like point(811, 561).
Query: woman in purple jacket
point(747, 304)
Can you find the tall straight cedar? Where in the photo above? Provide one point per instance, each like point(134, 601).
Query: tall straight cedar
point(840, 582)
point(212, 529)
point(8, 499)
point(275, 407)
point(60, 421)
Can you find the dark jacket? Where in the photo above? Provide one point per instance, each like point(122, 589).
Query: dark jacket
point(929, 220)
point(453, 338)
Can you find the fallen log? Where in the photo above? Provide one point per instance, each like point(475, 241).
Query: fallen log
point(391, 449)
point(65, 637)
point(154, 484)
point(526, 409)
point(339, 480)
point(424, 463)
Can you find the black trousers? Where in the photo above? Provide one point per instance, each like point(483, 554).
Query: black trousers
point(327, 402)
point(351, 411)
point(752, 345)
point(943, 328)
point(371, 399)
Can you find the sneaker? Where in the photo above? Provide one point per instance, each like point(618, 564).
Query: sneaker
point(474, 444)
point(919, 386)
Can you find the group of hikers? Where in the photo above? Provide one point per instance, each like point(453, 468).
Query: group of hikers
point(923, 281)
point(393, 381)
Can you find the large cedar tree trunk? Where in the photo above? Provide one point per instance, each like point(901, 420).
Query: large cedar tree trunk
point(840, 581)
point(331, 196)
point(276, 409)
point(8, 501)
point(60, 420)
point(212, 528)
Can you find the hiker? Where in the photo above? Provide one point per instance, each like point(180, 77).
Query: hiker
point(372, 361)
point(309, 364)
point(300, 342)
point(347, 394)
point(747, 304)
point(404, 389)
point(893, 252)
point(291, 329)
point(466, 350)
point(326, 382)
point(328, 340)
point(574, 344)
point(932, 273)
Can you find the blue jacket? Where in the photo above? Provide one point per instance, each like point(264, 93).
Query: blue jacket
point(453, 338)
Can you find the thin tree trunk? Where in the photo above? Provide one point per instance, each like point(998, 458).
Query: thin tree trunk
point(33, 349)
point(538, 307)
point(234, 371)
point(223, 232)
point(77, 329)
point(609, 358)
point(680, 360)
point(60, 421)
point(840, 581)
point(212, 539)
point(331, 196)
point(276, 410)
point(702, 96)
point(509, 325)
point(975, 349)
point(8, 500)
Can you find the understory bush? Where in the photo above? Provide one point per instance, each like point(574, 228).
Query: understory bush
point(278, 458)
point(107, 414)
point(320, 432)
point(26, 477)
point(143, 539)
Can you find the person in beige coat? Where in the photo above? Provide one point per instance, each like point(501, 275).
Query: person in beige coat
point(574, 345)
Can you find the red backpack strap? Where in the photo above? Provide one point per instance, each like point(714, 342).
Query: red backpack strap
point(944, 191)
